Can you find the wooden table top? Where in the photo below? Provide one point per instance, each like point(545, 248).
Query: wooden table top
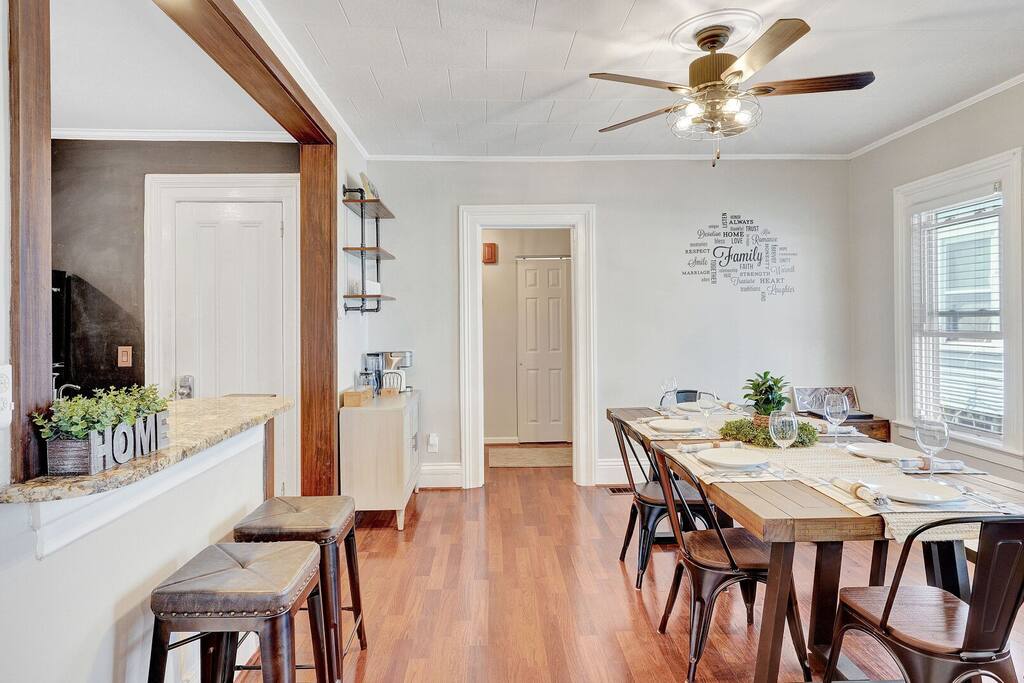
point(791, 511)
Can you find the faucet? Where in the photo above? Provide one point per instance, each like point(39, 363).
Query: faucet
point(65, 387)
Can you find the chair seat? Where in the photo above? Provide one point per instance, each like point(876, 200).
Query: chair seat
point(923, 617)
point(706, 549)
point(320, 519)
point(652, 494)
point(229, 579)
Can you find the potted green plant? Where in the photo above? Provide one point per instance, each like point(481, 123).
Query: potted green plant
point(68, 423)
point(766, 393)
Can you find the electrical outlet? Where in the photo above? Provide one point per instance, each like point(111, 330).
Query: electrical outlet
point(432, 443)
point(124, 356)
point(6, 396)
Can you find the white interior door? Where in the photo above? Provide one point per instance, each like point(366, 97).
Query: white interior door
point(228, 303)
point(544, 376)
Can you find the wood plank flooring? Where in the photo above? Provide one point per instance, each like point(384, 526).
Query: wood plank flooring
point(520, 580)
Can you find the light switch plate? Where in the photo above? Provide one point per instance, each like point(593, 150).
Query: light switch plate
point(124, 356)
point(6, 396)
point(432, 443)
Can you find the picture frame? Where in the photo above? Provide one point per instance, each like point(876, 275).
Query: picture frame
point(812, 398)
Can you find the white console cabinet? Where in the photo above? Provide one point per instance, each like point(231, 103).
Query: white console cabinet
point(380, 460)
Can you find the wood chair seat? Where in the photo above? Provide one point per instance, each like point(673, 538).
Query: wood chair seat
point(706, 549)
point(923, 617)
point(652, 494)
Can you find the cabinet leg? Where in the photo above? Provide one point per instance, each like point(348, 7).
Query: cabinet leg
point(400, 516)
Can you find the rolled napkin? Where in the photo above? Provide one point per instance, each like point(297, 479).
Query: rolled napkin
point(859, 489)
point(696, 447)
point(841, 429)
point(729, 405)
point(645, 420)
point(939, 464)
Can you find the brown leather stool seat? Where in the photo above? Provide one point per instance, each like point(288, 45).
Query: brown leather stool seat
point(319, 519)
point(238, 578)
point(230, 588)
point(323, 520)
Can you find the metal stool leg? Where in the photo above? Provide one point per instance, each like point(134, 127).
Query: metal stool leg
point(353, 584)
point(331, 609)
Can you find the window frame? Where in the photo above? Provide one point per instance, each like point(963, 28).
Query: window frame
point(949, 187)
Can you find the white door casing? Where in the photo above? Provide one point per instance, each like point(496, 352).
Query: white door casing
point(543, 343)
point(580, 220)
point(238, 228)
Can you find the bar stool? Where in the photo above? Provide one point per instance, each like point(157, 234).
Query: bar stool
point(322, 520)
point(230, 588)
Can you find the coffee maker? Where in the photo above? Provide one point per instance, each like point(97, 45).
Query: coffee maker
point(388, 369)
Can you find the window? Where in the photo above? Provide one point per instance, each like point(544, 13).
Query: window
point(958, 300)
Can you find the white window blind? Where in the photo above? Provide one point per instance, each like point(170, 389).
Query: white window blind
point(957, 346)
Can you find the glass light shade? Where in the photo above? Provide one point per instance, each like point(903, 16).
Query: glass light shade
point(732, 106)
point(714, 113)
point(694, 109)
point(682, 123)
point(743, 117)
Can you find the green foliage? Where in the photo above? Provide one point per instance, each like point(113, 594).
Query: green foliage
point(747, 432)
point(766, 392)
point(74, 418)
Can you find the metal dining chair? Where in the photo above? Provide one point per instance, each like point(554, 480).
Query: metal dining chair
point(714, 558)
point(934, 636)
point(648, 509)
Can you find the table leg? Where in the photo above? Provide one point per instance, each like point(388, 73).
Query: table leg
point(773, 616)
point(945, 566)
point(879, 558)
point(828, 564)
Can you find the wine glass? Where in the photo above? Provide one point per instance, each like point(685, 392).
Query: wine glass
point(668, 388)
point(784, 428)
point(837, 409)
point(707, 402)
point(932, 436)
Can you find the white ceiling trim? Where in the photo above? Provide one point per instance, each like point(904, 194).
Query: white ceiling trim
point(610, 157)
point(948, 111)
point(170, 135)
point(264, 23)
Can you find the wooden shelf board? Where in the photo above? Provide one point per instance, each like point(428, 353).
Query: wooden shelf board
point(371, 252)
point(370, 297)
point(372, 208)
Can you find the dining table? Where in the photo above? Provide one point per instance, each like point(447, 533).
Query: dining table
point(785, 512)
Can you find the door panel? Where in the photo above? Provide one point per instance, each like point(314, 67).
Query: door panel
point(544, 358)
point(229, 304)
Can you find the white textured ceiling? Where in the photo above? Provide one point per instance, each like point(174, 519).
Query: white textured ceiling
point(124, 65)
point(509, 77)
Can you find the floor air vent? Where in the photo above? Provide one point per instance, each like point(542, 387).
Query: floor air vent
point(620, 490)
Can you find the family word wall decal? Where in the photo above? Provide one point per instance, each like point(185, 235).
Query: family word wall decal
point(739, 251)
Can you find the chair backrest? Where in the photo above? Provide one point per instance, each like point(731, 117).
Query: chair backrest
point(626, 448)
point(674, 500)
point(998, 585)
point(686, 395)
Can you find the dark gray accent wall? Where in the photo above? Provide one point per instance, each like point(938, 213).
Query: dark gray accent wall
point(98, 205)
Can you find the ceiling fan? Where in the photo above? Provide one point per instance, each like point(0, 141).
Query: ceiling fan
point(716, 104)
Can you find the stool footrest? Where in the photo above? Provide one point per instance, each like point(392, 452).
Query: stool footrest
point(257, 667)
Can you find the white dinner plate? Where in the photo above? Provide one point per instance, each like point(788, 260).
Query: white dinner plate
point(732, 458)
point(916, 491)
point(883, 452)
point(688, 407)
point(673, 425)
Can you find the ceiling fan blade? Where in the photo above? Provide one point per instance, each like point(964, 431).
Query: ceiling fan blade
point(648, 82)
point(802, 86)
point(638, 119)
point(770, 45)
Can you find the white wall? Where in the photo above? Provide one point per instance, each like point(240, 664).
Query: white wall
point(650, 321)
point(500, 320)
point(981, 130)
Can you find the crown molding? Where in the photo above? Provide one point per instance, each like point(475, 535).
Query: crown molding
point(609, 157)
point(948, 111)
point(257, 13)
point(170, 135)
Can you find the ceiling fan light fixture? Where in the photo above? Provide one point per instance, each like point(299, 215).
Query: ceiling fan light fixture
point(693, 109)
point(743, 117)
point(732, 105)
point(714, 113)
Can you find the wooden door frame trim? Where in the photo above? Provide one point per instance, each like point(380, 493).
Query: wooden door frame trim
point(580, 220)
point(221, 30)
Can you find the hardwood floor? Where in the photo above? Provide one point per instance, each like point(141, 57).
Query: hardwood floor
point(521, 580)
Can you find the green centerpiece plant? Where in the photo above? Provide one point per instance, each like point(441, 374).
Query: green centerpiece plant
point(766, 393)
point(748, 432)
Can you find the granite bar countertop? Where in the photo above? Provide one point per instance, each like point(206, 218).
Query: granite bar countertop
point(195, 425)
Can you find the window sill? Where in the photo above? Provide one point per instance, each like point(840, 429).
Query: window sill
point(971, 446)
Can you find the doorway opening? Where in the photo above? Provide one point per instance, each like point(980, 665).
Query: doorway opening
point(527, 347)
point(563, 412)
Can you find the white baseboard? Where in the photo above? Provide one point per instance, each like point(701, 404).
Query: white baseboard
point(500, 440)
point(611, 471)
point(441, 475)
